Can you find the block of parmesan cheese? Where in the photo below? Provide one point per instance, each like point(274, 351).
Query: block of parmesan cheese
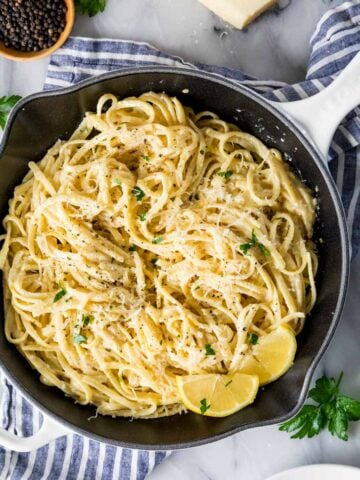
point(238, 12)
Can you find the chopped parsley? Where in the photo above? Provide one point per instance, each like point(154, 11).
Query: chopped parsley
point(139, 194)
point(226, 174)
point(157, 240)
point(146, 158)
point(86, 319)
point(172, 199)
point(60, 294)
point(245, 247)
point(228, 383)
point(133, 248)
point(209, 350)
point(204, 406)
point(78, 339)
point(252, 338)
point(142, 217)
point(263, 250)
point(202, 152)
point(117, 181)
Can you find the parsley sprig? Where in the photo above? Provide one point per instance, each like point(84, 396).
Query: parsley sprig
point(6, 104)
point(245, 247)
point(91, 7)
point(332, 411)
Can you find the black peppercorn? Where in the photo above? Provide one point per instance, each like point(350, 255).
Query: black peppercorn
point(31, 25)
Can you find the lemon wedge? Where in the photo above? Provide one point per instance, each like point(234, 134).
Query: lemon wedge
point(216, 395)
point(272, 356)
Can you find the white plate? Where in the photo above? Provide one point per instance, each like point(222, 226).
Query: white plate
point(319, 472)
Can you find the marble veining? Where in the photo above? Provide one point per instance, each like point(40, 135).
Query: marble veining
point(276, 46)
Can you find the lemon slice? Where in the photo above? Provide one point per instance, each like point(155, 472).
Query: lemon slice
point(272, 356)
point(217, 395)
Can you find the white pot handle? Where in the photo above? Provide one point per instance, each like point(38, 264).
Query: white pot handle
point(320, 115)
point(49, 430)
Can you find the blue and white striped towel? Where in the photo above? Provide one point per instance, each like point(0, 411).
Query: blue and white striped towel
point(334, 43)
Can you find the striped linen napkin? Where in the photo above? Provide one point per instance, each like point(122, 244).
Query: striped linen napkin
point(334, 43)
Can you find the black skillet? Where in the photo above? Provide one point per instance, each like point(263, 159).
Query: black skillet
point(39, 120)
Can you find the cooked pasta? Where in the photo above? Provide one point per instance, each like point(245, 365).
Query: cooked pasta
point(149, 245)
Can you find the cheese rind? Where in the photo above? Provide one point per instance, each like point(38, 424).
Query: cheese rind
point(238, 12)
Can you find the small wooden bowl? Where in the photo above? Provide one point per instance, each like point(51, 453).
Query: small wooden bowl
point(13, 54)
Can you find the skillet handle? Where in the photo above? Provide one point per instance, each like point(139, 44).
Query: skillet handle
point(320, 115)
point(49, 430)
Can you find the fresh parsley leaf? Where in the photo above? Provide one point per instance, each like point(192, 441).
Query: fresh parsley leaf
point(142, 217)
point(226, 174)
point(333, 411)
point(308, 422)
point(146, 158)
point(91, 7)
point(6, 104)
point(338, 421)
point(60, 294)
point(325, 389)
point(133, 248)
point(252, 338)
point(203, 406)
point(209, 350)
point(78, 339)
point(3, 118)
point(139, 194)
point(157, 240)
point(351, 407)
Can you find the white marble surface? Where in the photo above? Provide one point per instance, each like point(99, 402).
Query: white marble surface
point(276, 46)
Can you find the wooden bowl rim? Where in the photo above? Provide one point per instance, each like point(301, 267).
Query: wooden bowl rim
point(17, 55)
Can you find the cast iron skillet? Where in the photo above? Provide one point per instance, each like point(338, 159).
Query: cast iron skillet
point(38, 121)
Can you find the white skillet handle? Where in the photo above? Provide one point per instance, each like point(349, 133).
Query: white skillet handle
point(320, 115)
point(50, 430)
